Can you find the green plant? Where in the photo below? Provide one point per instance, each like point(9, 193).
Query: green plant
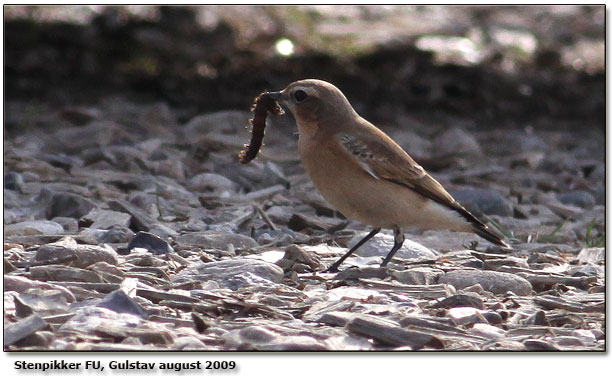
point(594, 240)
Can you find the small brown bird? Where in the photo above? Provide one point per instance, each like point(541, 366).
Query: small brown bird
point(364, 174)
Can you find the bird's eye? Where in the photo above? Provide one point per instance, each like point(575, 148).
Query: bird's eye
point(299, 95)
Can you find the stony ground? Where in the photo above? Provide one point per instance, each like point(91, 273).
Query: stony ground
point(127, 229)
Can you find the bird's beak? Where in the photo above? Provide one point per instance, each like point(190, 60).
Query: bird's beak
point(276, 95)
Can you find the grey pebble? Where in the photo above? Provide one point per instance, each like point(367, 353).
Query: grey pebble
point(66, 204)
point(40, 227)
point(579, 198)
point(120, 302)
point(84, 255)
point(381, 244)
point(495, 282)
point(215, 240)
point(232, 274)
point(482, 201)
point(150, 242)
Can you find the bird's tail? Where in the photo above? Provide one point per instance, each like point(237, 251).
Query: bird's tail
point(490, 234)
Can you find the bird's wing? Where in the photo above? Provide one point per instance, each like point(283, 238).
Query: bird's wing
point(382, 158)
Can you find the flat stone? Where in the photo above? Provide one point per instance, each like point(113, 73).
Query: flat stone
point(120, 302)
point(40, 227)
point(66, 204)
point(140, 219)
point(495, 282)
point(466, 315)
point(13, 181)
point(456, 141)
point(296, 255)
point(70, 225)
point(188, 343)
point(591, 255)
point(579, 198)
point(45, 302)
point(417, 276)
point(23, 328)
point(210, 183)
point(103, 219)
point(488, 331)
point(84, 254)
point(381, 244)
point(150, 242)
point(232, 274)
point(389, 333)
point(116, 234)
point(215, 240)
point(460, 300)
point(23, 284)
point(64, 273)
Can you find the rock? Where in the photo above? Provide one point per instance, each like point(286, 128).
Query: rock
point(456, 141)
point(103, 219)
point(64, 273)
point(215, 240)
point(282, 237)
point(591, 255)
point(540, 345)
point(41, 227)
point(140, 219)
point(361, 273)
point(65, 204)
point(232, 274)
point(389, 333)
point(46, 302)
point(579, 198)
point(409, 140)
point(116, 327)
point(460, 300)
point(483, 201)
point(262, 339)
point(170, 168)
point(188, 343)
point(466, 315)
point(568, 341)
point(120, 302)
point(381, 244)
point(23, 328)
point(280, 214)
point(80, 255)
point(417, 276)
point(248, 336)
point(13, 181)
point(116, 234)
point(211, 183)
point(70, 225)
point(150, 242)
point(488, 331)
point(296, 256)
point(495, 282)
point(23, 284)
point(162, 231)
point(293, 343)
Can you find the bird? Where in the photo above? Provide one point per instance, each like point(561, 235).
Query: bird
point(366, 175)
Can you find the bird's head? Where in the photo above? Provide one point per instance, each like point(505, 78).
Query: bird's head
point(313, 101)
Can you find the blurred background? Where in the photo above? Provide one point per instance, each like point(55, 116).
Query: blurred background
point(541, 66)
point(505, 105)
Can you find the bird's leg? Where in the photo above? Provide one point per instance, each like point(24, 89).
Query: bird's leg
point(334, 267)
point(399, 240)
